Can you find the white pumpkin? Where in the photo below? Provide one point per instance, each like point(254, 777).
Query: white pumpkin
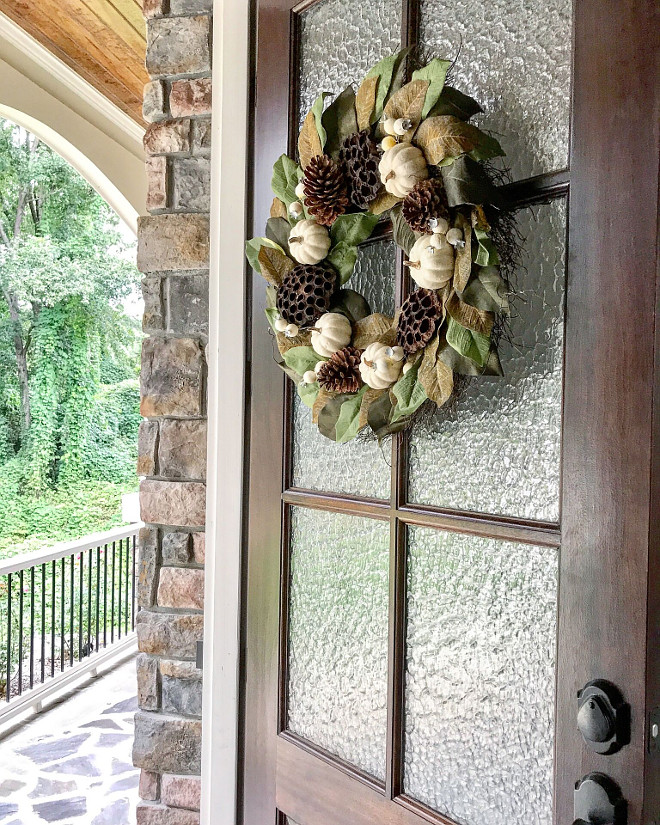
point(331, 333)
point(309, 242)
point(401, 168)
point(431, 262)
point(380, 365)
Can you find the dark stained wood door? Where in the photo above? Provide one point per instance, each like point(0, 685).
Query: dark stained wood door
point(492, 564)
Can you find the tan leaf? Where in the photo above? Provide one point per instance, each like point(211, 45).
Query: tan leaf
point(367, 400)
point(284, 344)
point(445, 136)
point(309, 142)
point(365, 100)
point(408, 102)
point(463, 256)
point(376, 327)
point(434, 375)
point(479, 219)
point(470, 317)
point(277, 209)
point(274, 264)
point(321, 400)
point(383, 202)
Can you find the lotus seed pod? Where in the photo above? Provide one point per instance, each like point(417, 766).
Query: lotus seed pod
point(309, 377)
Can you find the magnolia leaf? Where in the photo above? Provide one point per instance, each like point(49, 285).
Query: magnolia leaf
point(351, 304)
point(478, 218)
point(408, 102)
point(322, 398)
point(274, 264)
point(435, 72)
point(353, 228)
point(348, 423)
point(277, 230)
point(403, 235)
point(453, 102)
point(342, 257)
point(487, 291)
point(368, 399)
point(375, 327)
point(289, 373)
point(285, 179)
point(329, 415)
point(446, 136)
point(252, 249)
point(383, 202)
point(466, 182)
point(339, 121)
point(470, 317)
point(486, 147)
point(308, 393)
point(464, 366)
point(385, 71)
point(301, 359)
point(272, 314)
point(309, 142)
point(365, 101)
point(463, 256)
point(435, 376)
point(278, 209)
point(409, 394)
point(271, 297)
point(400, 75)
point(485, 254)
point(379, 415)
point(467, 342)
point(284, 343)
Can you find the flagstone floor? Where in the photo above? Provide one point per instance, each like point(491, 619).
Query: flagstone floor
point(72, 764)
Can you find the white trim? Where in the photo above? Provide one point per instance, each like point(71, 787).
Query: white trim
point(226, 425)
point(68, 77)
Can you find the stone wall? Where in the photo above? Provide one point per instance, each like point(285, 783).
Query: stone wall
point(173, 257)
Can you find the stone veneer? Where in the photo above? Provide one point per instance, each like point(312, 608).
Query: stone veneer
point(173, 249)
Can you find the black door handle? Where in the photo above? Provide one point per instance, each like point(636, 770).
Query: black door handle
point(598, 801)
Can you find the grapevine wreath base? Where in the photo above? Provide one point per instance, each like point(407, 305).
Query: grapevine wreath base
point(407, 152)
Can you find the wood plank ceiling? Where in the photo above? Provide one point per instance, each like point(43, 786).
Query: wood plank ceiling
point(104, 41)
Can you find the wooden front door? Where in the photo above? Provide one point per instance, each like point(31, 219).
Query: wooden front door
point(420, 617)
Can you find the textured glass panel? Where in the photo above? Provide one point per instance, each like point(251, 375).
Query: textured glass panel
point(515, 59)
point(480, 678)
point(498, 449)
point(340, 40)
point(338, 635)
point(356, 468)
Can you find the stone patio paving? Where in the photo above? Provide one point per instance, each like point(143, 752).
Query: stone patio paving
point(72, 763)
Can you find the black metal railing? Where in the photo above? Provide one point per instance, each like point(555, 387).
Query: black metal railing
point(62, 605)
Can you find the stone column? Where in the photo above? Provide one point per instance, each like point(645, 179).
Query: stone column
point(173, 248)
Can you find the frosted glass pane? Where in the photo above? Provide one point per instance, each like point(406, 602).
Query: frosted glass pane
point(338, 635)
point(515, 59)
point(498, 449)
point(480, 678)
point(356, 468)
point(340, 40)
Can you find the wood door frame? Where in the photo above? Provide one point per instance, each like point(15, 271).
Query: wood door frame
point(595, 545)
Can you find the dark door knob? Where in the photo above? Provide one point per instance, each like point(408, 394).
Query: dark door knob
point(595, 720)
point(598, 801)
point(603, 717)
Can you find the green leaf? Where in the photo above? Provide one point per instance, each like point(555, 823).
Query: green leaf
point(385, 71)
point(435, 72)
point(277, 230)
point(485, 254)
point(403, 235)
point(342, 257)
point(351, 304)
point(468, 342)
point(348, 422)
point(308, 393)
point(453, 102)
point(271, 297)
point(285, 180)
point(464, 366)
point(409, 394)
point(317, 110)
point(252, 248)
point(301, 359)
point(466, 183)
point(486, 148)
point(272, 314)
point(353, 228)
point(487, 291)
point(339, 121)
point(329, 415)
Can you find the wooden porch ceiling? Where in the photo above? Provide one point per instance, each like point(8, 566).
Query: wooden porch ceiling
point(104, 41)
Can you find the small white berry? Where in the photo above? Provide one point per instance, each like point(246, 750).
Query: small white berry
point(309, 377)
point(281, 325)
point(296, 209)
point(291, 330)
point(300, 191)
point(454, 237)
point(318, 366)
point(388, 143)
point(388, 125)
point(402, 125)
point(407, 367)
point(438, 226)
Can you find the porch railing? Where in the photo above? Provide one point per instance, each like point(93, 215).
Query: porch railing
point(63, 610)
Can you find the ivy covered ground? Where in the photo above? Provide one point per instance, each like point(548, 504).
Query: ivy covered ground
point(69, 352)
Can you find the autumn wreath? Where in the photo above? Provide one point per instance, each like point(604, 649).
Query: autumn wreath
point(407, 152)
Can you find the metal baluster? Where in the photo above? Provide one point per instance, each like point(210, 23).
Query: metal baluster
point(98, 592)
point(31, 628)
point(89, 604)
point(112, 598)
point(105, 596)
point(43, 623)
point(73, 609)
point(133, 594)
point(121, 550)
point(62, 603)
point(8, 696)
point(81, 600)
point(20, 634)
point(126, 590)
point(52, 621)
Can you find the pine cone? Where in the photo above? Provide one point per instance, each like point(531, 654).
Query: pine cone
point(427, 200)
point(325, 190)
point(360, 158)
point(342, 372)
point(305, 292)
point(418, 319)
